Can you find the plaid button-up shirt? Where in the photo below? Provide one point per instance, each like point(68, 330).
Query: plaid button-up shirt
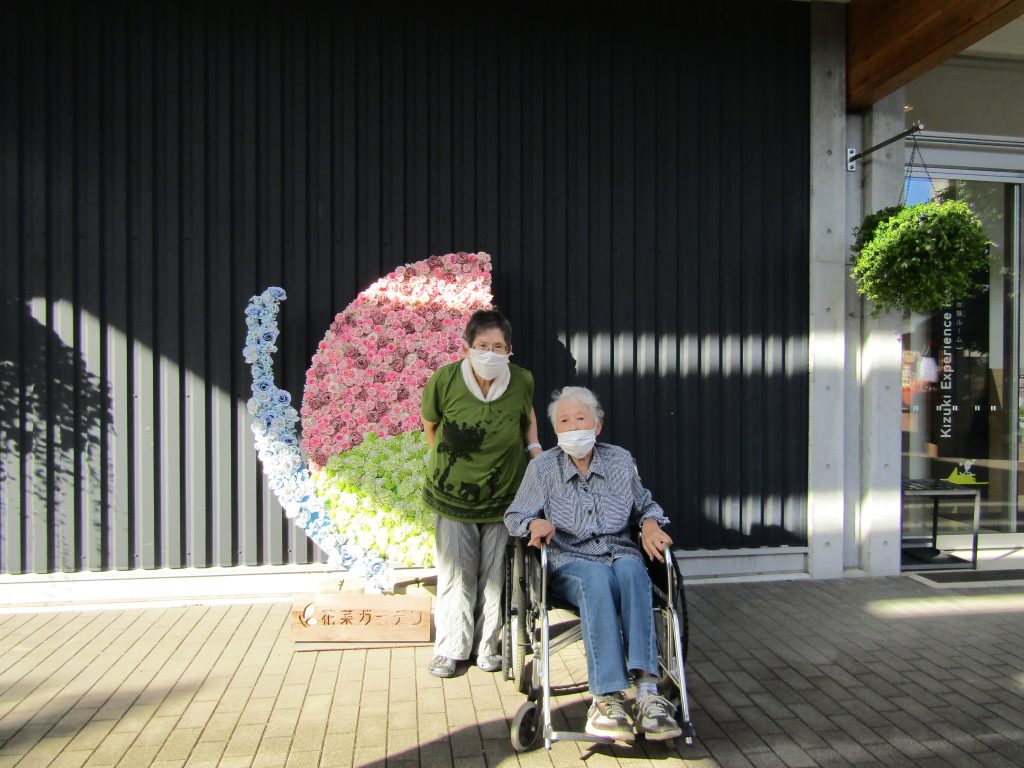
point(592, 515)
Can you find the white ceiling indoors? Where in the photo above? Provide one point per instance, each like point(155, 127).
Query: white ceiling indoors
point(980, 91)
point(1007, 42)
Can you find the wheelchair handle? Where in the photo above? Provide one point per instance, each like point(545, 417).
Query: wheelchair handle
point(666, 553)
point(544, 573)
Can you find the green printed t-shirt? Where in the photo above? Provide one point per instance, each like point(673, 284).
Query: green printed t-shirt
point(479, 457)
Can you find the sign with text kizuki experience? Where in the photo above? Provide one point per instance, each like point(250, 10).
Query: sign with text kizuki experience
point(966, 405)
point(361, 618)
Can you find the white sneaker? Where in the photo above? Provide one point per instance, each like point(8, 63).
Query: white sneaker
point(608, 719)
point(489, 663)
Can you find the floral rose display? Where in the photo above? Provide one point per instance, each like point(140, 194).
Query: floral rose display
point(359, 496)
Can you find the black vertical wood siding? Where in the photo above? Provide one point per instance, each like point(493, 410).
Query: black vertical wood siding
point(638, 171)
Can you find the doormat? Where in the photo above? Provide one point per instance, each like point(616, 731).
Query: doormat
point(951, 579)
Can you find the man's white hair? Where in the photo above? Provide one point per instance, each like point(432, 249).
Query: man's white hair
point(582, 394)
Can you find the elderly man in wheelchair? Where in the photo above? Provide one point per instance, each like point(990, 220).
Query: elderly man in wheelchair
point(581, 500)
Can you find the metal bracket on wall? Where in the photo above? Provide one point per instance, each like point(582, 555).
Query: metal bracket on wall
point(852, 156)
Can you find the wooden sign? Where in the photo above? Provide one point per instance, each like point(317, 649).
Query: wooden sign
point(361, 618)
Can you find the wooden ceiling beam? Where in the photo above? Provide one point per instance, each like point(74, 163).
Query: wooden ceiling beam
point(891, 42)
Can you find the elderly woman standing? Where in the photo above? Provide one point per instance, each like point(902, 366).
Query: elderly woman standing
point(581, 499)
point(480, 425)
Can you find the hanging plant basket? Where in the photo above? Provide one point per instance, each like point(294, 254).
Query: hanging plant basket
point(920, 258)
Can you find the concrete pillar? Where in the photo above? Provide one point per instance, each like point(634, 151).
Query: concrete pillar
point(828, 278)
point(880, 362)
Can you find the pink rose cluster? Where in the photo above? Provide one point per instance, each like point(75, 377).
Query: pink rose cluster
point(369, 371)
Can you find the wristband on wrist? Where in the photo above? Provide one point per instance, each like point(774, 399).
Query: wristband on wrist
point(531, 446)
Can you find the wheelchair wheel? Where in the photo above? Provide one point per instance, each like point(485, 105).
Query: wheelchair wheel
point(680, 606)
point(664, 633)
point(657, 573)
point(522, 620)
point(525, 726)
point(507, 656)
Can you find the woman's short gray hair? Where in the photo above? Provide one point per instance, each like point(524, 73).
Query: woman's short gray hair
point(581, 394)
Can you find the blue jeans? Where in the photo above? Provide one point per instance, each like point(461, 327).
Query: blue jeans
point(602, 593)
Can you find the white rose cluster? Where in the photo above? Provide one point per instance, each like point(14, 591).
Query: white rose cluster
point(277, 444)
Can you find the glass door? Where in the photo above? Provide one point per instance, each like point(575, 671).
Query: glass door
point(963, 392)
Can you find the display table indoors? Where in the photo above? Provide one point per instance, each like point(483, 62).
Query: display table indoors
point(921, 553)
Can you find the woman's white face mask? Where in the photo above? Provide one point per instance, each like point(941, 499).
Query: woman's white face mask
point(488, 365)
point(578, 442)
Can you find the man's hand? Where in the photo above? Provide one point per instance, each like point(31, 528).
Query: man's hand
point(654, 539)
point(541, 532)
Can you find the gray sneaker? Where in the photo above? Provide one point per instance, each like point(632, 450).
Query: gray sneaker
point(441, 666)
point(607, 718)
point(654, 718)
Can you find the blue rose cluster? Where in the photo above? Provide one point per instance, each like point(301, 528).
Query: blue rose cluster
point(277, 443)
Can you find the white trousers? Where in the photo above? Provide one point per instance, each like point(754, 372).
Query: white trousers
point(470, 572)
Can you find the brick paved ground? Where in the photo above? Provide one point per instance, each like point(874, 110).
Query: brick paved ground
point(885, 672)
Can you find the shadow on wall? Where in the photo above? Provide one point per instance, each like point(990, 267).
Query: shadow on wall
point(555, 367)
point(53, 415)
point(607, 198)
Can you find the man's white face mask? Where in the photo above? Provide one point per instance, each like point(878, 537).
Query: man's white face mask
point(488, 365)
point(577, 443)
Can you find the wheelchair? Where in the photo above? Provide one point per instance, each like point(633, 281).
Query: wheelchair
point(529, 643)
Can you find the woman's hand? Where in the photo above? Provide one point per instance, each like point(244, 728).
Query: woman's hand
point(654, 539)
point(541, 532)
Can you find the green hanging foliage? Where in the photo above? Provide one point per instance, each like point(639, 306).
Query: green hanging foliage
point(920, 258)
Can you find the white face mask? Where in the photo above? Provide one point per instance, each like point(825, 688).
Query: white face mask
point(577, 443)
point(488, 365)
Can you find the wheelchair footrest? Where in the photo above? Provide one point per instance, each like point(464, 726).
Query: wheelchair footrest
point(580, 736)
